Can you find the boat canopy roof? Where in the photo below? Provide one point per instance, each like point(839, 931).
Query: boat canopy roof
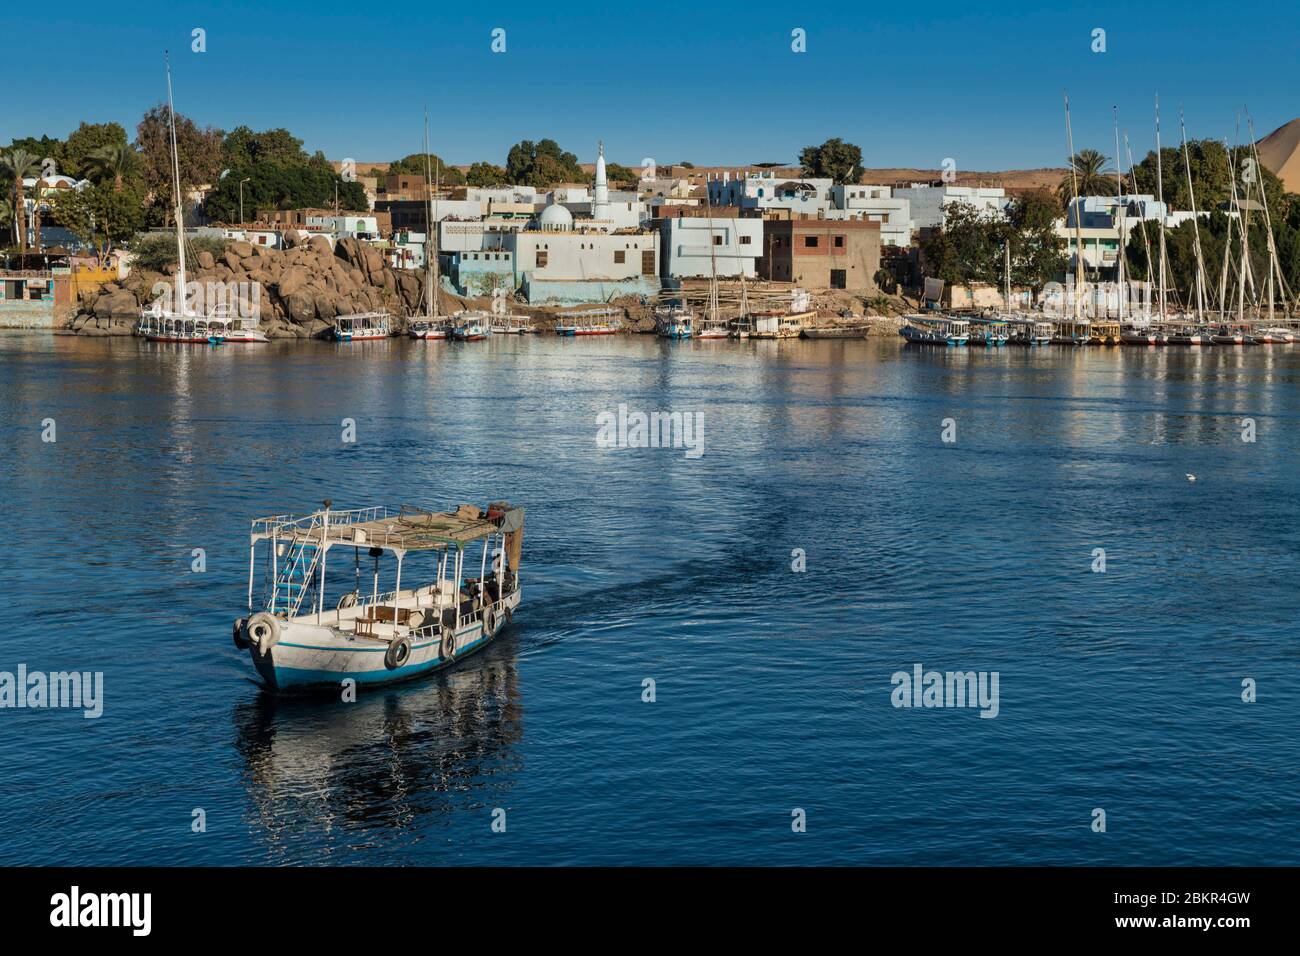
point(404, 529)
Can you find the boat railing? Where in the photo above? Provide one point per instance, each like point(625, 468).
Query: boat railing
point(279, 525)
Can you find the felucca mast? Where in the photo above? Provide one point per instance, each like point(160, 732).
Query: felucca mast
point(713, 263)
point(1078, 228)
point(1227, 239)
point(179, 305)
point(1006, 272)
point(1121, 219)
point(430, 241)
point(1142, 225)
point(1275, 264)
point(1160, 198)
point(1196, 229)
point(437, 278)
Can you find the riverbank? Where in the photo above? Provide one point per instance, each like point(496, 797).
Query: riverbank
point(297, 292)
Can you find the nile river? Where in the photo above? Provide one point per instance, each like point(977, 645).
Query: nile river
point(1120, 690)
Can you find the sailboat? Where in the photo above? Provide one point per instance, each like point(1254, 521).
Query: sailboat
point(1272, 334)
point(429, 325)
point(174, 321)
point(713, 326)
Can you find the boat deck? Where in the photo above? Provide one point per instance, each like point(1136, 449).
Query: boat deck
point(402, 530)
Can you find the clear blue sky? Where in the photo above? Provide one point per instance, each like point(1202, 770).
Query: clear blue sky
point(911, 83)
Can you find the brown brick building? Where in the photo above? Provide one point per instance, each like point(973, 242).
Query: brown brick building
point(821, 253)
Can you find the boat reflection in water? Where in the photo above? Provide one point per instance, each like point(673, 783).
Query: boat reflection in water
point(399, 759)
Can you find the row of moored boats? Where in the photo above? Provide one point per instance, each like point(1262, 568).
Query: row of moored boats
point(995, 331)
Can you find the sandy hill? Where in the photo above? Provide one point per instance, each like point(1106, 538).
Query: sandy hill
point(1279, 151)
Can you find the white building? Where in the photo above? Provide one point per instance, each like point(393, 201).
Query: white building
point(875, 204)
point(930, 204)
point(342, 226)
point(766, 191)
point(695, 246)
point(553, 264)
point(476, 236)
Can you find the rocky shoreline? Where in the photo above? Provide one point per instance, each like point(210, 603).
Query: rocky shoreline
point(304, 286)
point(301, 287)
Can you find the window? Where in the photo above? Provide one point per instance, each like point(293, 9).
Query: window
point(541, 259)
point(717, 240)
point(648, 262)
point(619, 256)
point(744, 240)
point(839, 242)
point(839, 280)
point(810, 242)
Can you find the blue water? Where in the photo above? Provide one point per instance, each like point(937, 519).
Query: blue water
point(1118, 690)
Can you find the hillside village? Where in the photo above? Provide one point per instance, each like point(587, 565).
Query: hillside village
point(878, 241)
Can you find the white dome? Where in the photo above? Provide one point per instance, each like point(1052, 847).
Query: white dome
point(556, 217)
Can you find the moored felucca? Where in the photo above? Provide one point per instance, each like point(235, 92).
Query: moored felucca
point(308, 635)
point(430, 326)
point(176, 322)
point(941, 330)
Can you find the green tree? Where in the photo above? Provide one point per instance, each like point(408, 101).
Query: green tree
point(1037, 252)
point(486, 174)
point(100, 215)
point(834, 159)
point(243, 147)
point(277, 185)
point(154, 252)
point(45, 148)
point(1091, 176)
point(542, 164)
point(967, 248)
point(618, 173)
point(113, 162)
point(413, 165)
point(89, 138)
point(16, 165)
point(200, 158)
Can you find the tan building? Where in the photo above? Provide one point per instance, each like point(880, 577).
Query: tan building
point(821, 253)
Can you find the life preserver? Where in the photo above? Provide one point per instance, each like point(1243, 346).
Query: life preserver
point(491, 623)
point(241, 641)
point(348, 600)
point(398, 653)
point(448, 648)
point(263, 631)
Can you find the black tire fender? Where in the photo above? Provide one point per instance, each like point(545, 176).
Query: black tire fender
point(398, 653)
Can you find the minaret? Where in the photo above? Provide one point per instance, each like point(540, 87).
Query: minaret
point(600, 200)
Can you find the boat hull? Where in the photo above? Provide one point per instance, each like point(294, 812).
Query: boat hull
point(186, 339)
point(308, 657)
point(848, 332)
point(922, 337)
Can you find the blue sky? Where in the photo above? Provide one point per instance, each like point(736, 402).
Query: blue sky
point(911, 83)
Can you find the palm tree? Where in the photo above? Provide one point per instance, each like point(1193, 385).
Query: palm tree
point(18, 164)
point(1090, 171)
point(6, 211)
point(113, 161)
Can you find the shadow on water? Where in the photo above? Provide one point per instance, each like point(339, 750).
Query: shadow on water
point(395, 760)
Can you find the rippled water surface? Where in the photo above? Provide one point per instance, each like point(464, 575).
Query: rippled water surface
point(1118, 690)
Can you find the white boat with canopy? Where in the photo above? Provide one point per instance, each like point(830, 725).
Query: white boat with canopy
point(309, 634)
